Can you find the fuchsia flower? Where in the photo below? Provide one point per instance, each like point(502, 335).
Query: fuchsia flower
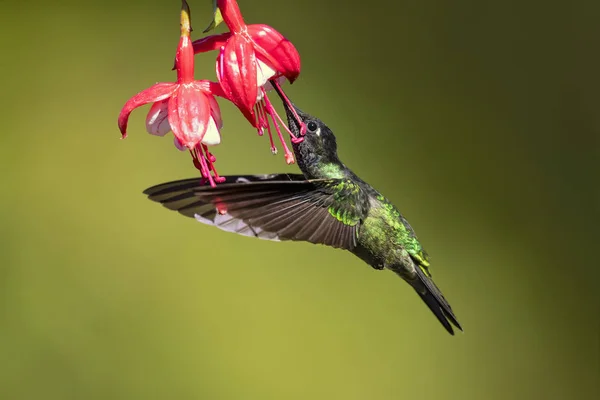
point(187, 107)
point(252, 59)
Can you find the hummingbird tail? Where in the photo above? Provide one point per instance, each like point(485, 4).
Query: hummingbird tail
point(432, 296)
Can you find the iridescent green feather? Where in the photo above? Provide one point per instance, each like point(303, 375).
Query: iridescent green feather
point(346, 200)
point(402, 233)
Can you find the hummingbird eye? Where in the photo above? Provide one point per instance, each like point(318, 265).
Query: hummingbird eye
point(312, 126)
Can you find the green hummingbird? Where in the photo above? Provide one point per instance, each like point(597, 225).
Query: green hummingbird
point(326, 204)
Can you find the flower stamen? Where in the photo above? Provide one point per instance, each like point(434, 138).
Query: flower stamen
point(204, 162)
point(260, 118)
point(290, 106)
point(211, 164)
point(289, 158)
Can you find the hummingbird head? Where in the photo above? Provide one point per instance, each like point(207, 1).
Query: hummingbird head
point(318, 136)
point(319, 146)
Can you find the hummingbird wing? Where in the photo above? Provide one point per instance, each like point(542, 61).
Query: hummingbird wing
point(273, 207)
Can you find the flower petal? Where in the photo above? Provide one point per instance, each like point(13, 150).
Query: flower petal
point(189, 112)
point(275, 50)
point(236, 70)
point(264, 72)
point(157, 121)
point(212, 136)
point(214, 88)
point(210, 43)
point(268, 86)
point(178, 144)
point(154, 93)
point(215, 112)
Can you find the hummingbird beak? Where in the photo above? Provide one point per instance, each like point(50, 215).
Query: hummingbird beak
point(295, 116)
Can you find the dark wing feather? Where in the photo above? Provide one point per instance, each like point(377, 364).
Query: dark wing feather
point(274, 207)
point(182, 186)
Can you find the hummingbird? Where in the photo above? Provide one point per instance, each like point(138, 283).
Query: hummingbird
point(327, 204)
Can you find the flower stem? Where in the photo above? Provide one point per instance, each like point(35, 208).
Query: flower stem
point(184, 58)
point(230, 11)
point(186, 19)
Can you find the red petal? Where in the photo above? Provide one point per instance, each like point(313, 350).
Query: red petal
point(189, 111)
point(236, 70)
point(213, 88)
point(157, 92)
point(274, 49)
point(210, 43)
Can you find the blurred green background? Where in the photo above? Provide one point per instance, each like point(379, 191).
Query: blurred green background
point(477, 118)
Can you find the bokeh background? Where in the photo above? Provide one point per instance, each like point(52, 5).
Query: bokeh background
point(477, 118)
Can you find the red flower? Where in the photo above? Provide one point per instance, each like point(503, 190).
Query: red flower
point(187, 107)
point(157, 120)
point(252, 59)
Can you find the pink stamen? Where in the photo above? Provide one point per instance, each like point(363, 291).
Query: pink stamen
point(198, 166)
point(289, 158)
point(302, 125)
point(271, 110)
point(264, 122)
point(265, 115)
point(202, 166)
point(273, 148)
point(261, 117)
point(211, 160)
point(258, 120)
point(294, 139)
point(196, 162)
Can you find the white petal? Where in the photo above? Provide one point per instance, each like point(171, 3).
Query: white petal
point(212, 136)
point(264, 72)
point(178, 144)
point(260, 94)
point(157, 121)
point(215, 112)
point(279, 80)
